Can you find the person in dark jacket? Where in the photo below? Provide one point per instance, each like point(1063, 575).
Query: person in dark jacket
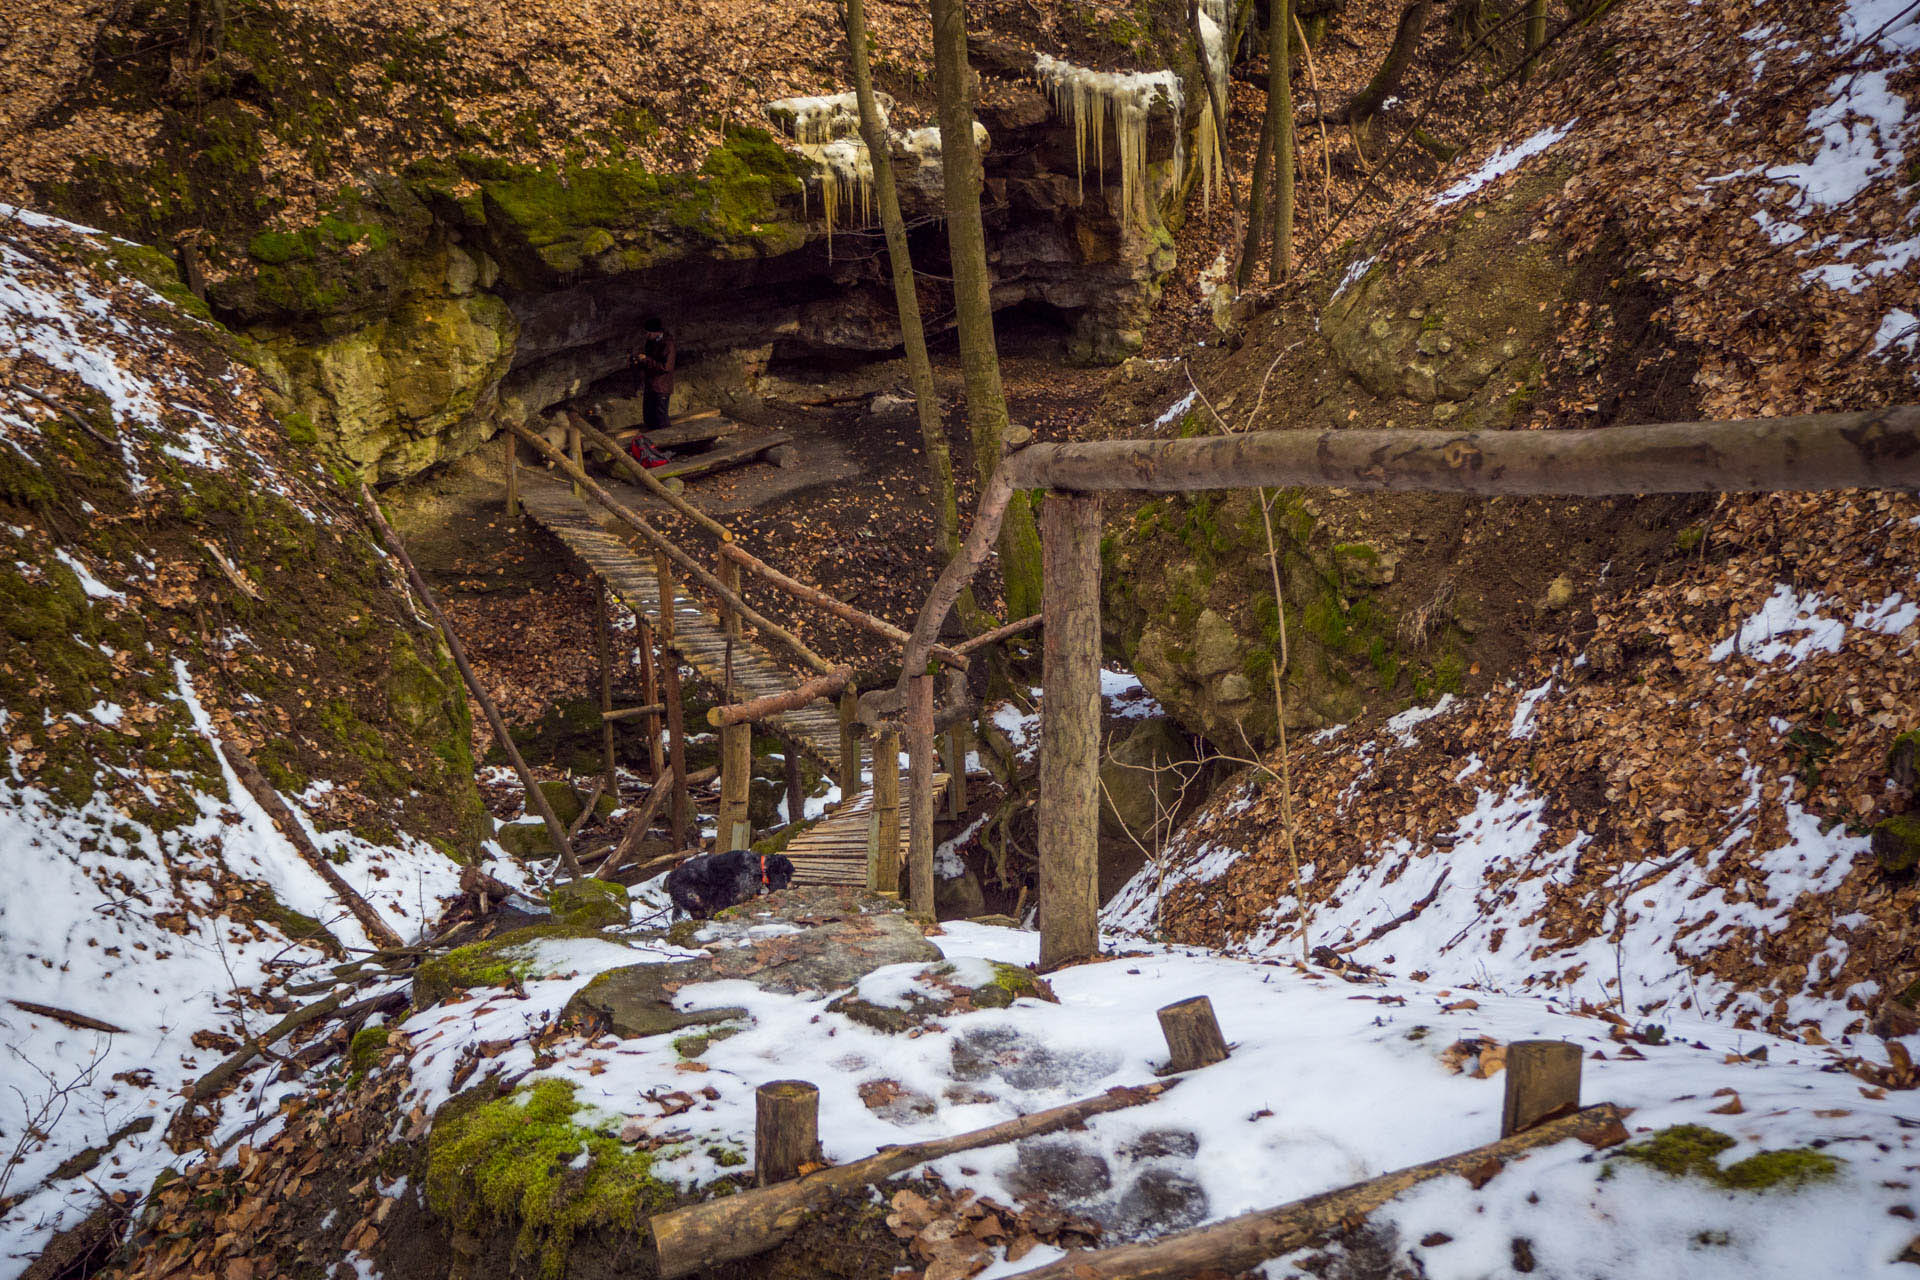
point(656, 357)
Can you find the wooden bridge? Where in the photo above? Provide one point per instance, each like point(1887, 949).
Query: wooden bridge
point(700, 621)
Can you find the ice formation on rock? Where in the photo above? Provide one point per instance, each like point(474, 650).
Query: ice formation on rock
point(1088, 97)
point(826, 130)
point(1213, 21)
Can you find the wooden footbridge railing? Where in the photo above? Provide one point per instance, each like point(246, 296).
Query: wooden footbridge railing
point(1869, 450)
point(754, 685)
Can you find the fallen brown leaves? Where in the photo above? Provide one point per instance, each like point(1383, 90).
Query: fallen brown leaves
point(955, 1234)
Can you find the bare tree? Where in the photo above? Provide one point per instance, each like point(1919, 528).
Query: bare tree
point(987, 418)
point(906, 298)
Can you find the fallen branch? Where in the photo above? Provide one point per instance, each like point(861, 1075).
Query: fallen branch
point(232, 571)
point(998, 634)
point(78, 1021)
point(637, 829)
point(1241, 1243)
point(556, 829)
point(289, 826)
point(1382, 930)
point(586, 809)
point(739, 1226)
point(223, 1075)
point(634, 713)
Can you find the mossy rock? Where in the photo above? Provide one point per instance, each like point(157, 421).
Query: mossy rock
point(363, 1052)
point(536, 1161)
point(495, 962)
point(1691, 1150)
point(525, 839)
point(1896, 844)
point(1006, 984)
point(637, 1001)
point(590, 902)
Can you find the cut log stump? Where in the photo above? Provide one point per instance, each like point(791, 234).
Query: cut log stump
point(1193, 1034)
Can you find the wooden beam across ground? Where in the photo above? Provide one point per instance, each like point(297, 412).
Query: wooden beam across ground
point(707, 464)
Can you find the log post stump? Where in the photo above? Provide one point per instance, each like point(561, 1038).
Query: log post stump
point(1543, 1083)
point(796, 784)
point(1193, 1034)
point(670, 694)
point(883, 839)
point(786, 1131)
point(1070, 730)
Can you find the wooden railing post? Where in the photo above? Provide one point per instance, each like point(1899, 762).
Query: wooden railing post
point(512, 444)
point(959, 742)
point(850, 784)
point(729, 575)
point(603, 648)
point(736, 782)
point(670, 694)
point(574, 453)
point(1070, 730)
point(796, 783)
point(883, 838)
point(920, 801)
point(650, 696)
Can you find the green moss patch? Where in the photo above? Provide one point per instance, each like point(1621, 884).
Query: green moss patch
point(496, 962)
point(590, 903)
point(1692, 1150)
point(535, 1159)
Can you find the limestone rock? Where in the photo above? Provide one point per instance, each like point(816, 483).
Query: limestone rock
point(1140, 786)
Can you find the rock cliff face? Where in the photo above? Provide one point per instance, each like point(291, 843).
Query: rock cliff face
point(1390, 598)
point(413, 277)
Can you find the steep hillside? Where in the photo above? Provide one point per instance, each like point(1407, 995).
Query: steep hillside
point(1669, 723)
point(181, 586)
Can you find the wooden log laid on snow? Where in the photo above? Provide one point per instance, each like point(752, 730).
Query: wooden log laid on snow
point(1247, 1241)
point(739, 1226)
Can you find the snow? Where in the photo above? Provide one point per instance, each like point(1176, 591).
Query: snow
point(1328, 1083)
point(1176, 411)
point(95, 589)
point(1403, 725)
point(1354, 272)
point(1504, 160)
point(1785, 613)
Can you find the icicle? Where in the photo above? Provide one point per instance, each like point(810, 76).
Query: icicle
point(842, 164)
point(1209, 134)
point(816, 121)
point(1087, 98)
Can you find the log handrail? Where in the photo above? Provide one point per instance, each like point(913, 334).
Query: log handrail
point(732, 550)
point(1871, 449)
point(648, 481)
point(772, 704)
point(661, 543)
point(953, 657)
point(998, 634)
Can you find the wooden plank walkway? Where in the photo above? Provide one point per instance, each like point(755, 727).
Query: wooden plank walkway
point(835, 851)
point(698, 635)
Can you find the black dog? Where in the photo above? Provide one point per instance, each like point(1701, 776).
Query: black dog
point(711, 882)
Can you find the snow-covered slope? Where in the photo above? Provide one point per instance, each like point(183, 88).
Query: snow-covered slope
point(176, 581)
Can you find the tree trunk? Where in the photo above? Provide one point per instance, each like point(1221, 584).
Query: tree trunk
point(906, 297)
point(1280, 113)
point(1406, 39)
point(1070, 733)
point(1257, 191)
point(1536, 36)
point(973, 300)
point(670, 694)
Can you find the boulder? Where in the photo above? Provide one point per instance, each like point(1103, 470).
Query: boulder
point(960, 898)
point(939, 991)
point(590, 902)
point(1138, 788)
